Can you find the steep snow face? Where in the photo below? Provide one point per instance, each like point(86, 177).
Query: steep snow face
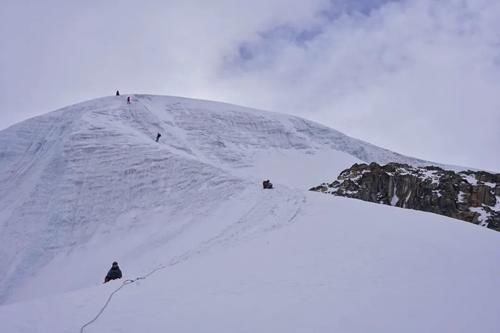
point(87, 185)
point(93, 171)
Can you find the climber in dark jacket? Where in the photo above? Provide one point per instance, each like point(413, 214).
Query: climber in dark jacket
point(266, 184)
point(114, 273)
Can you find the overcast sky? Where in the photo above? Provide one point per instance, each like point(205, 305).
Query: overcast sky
point(420, 77)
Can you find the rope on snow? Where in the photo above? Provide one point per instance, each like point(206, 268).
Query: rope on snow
point(125, 283)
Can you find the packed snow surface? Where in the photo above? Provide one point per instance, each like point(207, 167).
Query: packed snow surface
point(87, 185)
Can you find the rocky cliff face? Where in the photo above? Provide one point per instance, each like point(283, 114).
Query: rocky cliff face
point(472, 196)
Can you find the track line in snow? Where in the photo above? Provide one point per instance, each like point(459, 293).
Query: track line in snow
point(235, 232)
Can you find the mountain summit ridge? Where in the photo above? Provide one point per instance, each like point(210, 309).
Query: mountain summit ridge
point(58, 170)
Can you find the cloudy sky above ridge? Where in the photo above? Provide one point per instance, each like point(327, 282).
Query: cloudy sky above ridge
point(420, 77)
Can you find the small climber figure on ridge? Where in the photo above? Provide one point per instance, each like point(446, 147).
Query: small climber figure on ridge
point(114, 273)
point(128, 100)
point(266, 184)
point(118, 93)
point(158, 136)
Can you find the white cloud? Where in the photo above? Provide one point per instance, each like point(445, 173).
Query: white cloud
point(420, 77)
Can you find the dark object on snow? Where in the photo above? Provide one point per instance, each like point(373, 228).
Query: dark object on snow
point(118, 93)
point(158, 137)
point(114, 273)
point(128, 100)
point(267, 184)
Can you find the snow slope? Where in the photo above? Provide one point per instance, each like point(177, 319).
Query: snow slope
point(86, 185)
point(293, 261)
point(91, 169)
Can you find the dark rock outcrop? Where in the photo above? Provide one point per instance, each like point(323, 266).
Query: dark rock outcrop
point(472, 196)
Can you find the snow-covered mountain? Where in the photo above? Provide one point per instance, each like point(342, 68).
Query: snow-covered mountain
point(87, 185)
point(76, 173)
